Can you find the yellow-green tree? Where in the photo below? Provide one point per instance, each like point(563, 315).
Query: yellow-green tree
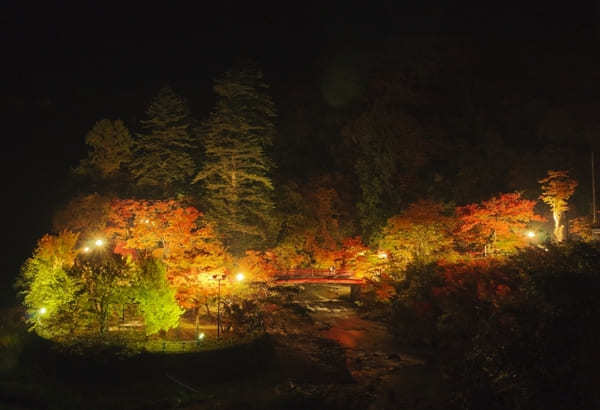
point(422, 233)
point(156, 298)
point(50, 294)
point(557, 188)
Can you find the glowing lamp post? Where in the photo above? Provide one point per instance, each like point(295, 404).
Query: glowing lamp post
point(239, 277)
point(530, 234)
point(219, 278)
point(43, 311)
point(99, 242)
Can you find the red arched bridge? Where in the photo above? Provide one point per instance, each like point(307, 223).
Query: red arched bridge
point(321, 276)
point(327, 276)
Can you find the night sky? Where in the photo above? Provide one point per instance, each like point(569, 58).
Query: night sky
point(66, 67)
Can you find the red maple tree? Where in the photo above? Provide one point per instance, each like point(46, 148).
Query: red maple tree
point(497, 225)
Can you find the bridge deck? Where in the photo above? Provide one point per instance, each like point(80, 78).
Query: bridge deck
point(324, 280)
point(332, 276)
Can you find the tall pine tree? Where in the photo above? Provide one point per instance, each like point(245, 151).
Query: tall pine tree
point(162, 156)
point(236, 170)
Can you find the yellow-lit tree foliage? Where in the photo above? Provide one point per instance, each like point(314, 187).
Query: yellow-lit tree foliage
point(557, 188)
point(422, 233)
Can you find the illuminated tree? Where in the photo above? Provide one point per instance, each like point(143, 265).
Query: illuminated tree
point(84, 214)
point(355, 256)
point(235, 174)
point(422, 233)
point(156, 298)
point(498, 224)
point(557, 188)
point(168, 231)
point(51, 295)
point(178, 237)
point(107, 280)
point(111, 148)
point(162, 150)
point(581, 228)
point(260, 266)
point(315, 222)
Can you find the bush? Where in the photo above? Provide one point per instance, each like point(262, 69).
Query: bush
point(519, 334)
point(242, 319)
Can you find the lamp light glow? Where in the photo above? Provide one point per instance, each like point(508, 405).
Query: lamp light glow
point(43, 311)
point(239, 277)
point(99, 242)
point(530, 234)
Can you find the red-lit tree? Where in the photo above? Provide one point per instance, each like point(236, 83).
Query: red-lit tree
point(498, 224)
point(177, 236)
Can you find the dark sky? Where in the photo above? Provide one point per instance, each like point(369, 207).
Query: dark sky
point(66, 66)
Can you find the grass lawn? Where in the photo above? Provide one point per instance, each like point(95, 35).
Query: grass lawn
point(246, 375)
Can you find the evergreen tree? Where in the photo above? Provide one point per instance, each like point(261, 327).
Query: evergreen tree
point(162, 154)
point(111, 149)
point(236, 170)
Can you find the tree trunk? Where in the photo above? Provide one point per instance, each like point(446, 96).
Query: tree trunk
point(197, 320)
point(207, 308)
point(559, 228)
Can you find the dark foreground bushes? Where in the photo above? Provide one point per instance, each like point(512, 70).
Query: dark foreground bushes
point(519, 334)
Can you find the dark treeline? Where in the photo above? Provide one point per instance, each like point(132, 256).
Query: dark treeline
point(444, 118)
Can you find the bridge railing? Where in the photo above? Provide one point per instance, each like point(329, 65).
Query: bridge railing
point(314, 273)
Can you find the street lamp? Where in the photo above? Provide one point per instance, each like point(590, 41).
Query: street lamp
point(99, 242)
point(239, 277)
point(219, 278)
point(43, 311)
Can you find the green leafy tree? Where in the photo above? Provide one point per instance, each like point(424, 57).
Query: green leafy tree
point(50, 294)
point(107, 280)
point(162, 150)
point(236, 170)
point(156, 298)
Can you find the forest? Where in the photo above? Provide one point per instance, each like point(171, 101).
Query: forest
point(453, 180)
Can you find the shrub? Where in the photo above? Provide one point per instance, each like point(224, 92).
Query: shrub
point(517, 334)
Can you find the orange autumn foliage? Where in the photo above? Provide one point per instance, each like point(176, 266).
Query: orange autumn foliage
point(498, 223)
point(174, 234)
